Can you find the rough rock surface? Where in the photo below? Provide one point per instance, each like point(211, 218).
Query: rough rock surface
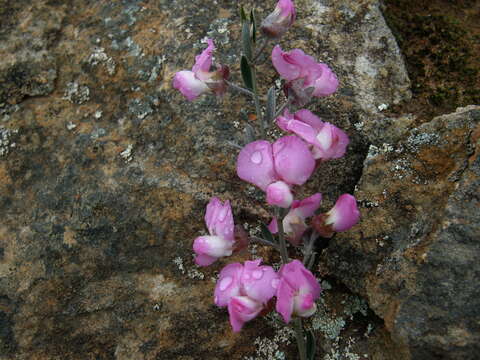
point(105, 172)
point(415, 254)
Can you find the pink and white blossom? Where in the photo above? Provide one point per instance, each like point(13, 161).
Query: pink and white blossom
point(288, 161)
point(343, 216)
point(200, 79)
point(328, 141)
point(278, 22)
point(297, 291)
point(305, 77)
point(245, 289)
point(294, 222)
point(219, 221)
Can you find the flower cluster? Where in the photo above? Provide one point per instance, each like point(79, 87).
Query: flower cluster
point(277, 168)
point(246, 289)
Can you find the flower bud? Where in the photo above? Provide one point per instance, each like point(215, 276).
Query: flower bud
point(221, 242)
point(341, 217)
point(278, 22)
point(279, 194)
point(200, 79)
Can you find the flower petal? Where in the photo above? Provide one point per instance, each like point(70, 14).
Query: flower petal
point(255, 164)
point(203, 62)
point(219, 219)
point(293, 161)
point(242, 309)
point(228, 284)
point(191, 87)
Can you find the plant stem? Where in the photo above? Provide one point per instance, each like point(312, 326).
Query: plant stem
point(240, 89)
point(264, 242)
point(256, 99)
point(262, 47)
point(279, 111)
point(281, 236)
point(298, 328)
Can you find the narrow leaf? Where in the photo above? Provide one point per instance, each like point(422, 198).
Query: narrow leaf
point(254, 26)
point(267, 235)
point(246, 40)
point(246, 73)
point(311, 345)
point(243, 16)
point(271, 104)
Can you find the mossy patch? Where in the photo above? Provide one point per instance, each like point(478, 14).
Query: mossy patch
point(440, 41)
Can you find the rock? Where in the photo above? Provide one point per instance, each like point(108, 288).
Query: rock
point(414, 255)
point(28, 68)
point(106, 186)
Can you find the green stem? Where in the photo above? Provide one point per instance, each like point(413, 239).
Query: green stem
point(298, 328)
point(256, 99)
point(264, 242)
point(281, 236)
point(279, 111)
point(262, 47)
point(240, 89)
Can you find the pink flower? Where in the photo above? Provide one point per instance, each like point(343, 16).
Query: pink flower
point(341, 217)
point(305, 77)
point(219, 221)
point(200, 80)
point(297, 291)
point(245, 289)
point(278, 22)
point(328, 141)
point(294, 222)
point(288, 160)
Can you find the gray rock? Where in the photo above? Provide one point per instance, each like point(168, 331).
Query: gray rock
point(105, 190)
point(415, 253)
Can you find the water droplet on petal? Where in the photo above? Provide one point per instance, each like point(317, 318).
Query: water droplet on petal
point(215, 299)
point(256, 157)
point(257, 274)
point(225, 283)
point(274, 283)
point(246, 276)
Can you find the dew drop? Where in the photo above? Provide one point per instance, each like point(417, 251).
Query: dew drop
point(256, 157)
point(215, 299)
point(257, 274)
point(225, 282)
point(246, 276)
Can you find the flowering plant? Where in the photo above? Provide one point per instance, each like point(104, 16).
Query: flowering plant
point(276, 168)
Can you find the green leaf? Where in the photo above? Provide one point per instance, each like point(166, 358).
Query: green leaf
point(243, 16)
point(247, 40)
point(267, 235)
point(247, 75)
point(271, 104)
point(254, 26)
point(311, 345)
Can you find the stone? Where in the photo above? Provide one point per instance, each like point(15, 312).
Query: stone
point(414, 256)
point(106, 186)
